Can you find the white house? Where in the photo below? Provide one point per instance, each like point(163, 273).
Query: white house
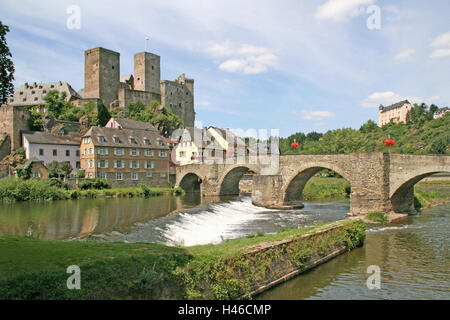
point(48, 147)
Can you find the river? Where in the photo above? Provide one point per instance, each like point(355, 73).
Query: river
point(412, 255)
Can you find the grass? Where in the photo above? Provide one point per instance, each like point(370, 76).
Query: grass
point(377, 217)
point(432, 193)
point(321, 188)
point(31, 268)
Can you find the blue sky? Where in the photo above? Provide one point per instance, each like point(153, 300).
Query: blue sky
point(287, 65)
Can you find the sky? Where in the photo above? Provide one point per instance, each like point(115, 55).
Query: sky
point(295, 66)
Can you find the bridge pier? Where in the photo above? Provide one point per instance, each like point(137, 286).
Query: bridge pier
point(268, 192)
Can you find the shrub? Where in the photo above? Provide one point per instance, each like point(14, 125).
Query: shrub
point(97, 184)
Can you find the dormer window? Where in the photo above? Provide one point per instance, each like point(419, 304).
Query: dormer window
point(133, 140)
point(116, 140)
point(101, 139)
point(161, 143)
point(52, 86)
point(147, 141)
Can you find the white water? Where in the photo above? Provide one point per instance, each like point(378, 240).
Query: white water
point(220, 222)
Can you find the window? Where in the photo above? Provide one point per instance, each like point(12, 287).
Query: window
point(116, 139)
point(119, 176)
point(134, 152)
point(36, 175)
point(163, 174)
point(102, 175)
point(78, 165)
point(149, 164)
point(134, 176)
point(55, 152)
point(77, 153)
point(182, 154)
point(101, 139)
point(119, 151)
point(91, 151)
point(91, 163)
point(134, 164)
point(161, 143)
point(149, 174)
point(67, 153)
point(102, 163)
point(147, 142)
point(41, 152)
point(149, 153)
point(119, 164)
point(133, 140)
point(162, 154)
point(102, 151)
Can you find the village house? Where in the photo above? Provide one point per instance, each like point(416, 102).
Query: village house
point(38, 169)
point(125, 157)
point(48, 147)
point(440, 113)
point(396, 112)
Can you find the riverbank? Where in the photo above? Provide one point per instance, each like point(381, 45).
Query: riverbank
point(12, 190)
point(36, 269)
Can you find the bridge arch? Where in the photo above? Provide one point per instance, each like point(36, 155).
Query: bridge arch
point(293, 190)
point(191, 183)
point(402, 194)
point(229, 183)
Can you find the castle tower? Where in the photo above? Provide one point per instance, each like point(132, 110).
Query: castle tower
point(147, 72)
point(101, 74)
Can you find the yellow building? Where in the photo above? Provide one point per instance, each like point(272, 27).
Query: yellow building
point(396, 112)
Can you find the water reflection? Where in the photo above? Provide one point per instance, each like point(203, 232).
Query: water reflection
point(60, 220)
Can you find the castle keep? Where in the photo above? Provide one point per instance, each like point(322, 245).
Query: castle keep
point(102, 81)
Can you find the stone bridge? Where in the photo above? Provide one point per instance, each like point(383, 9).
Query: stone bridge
point(379, 181)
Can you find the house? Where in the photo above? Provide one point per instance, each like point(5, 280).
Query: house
point(48, 147)
point(38, 169)
point(125, 157)
point(208, 144)
point(396, 112)
point(440, 113)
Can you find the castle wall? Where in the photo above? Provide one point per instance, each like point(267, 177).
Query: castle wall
point(101, 74)
point(14, 120)
point(127, 96)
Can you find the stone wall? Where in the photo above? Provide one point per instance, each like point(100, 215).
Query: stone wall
point(179, 98)
point(14, 120)
point(127, 96)
point(5, 145)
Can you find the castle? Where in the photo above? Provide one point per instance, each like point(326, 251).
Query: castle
point(103, 82)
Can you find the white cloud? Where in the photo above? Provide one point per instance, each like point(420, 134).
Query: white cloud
point(389, 97)
point(339, 10)
point(206, 105)
point(441, 45)
point(441, 41)
point(440, 53)
point(404, 55)
point(313, 115)
point(243, 58)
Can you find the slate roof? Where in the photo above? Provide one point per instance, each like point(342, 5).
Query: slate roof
point(394, 106)
point(40, 137)
point(124, 136)
point(33, 94)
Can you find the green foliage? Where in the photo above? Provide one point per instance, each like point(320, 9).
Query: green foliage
point(320, 188)
point(97, 184)
point(377, 217)
point(12, 189)
point(103, 114)
point(80, 174)
point(162, 118)
point(35, 121)
point(6, 66)
point(421, 135)
point(25, 172)
point(59, 169)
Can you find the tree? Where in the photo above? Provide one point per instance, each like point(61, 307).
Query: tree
point(103, 114)
point(59, 169)
point(6, 66)
point(35, 121)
